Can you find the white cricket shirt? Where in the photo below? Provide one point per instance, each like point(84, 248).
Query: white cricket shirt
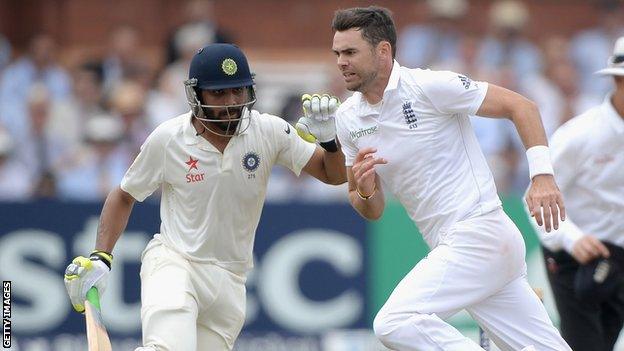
point(588, 158)
point(211, 202)
point(435, 166)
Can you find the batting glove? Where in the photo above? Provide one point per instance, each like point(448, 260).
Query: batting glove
point(84, 273)
point(318, 121)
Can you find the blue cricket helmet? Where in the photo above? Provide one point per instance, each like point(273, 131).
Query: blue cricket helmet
point(214, 67)
point(220, 66)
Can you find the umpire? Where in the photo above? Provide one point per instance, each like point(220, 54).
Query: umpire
point(585, 256)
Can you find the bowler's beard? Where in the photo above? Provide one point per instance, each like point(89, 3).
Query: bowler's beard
point(365, 83)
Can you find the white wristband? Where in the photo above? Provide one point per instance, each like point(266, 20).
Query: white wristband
point(539, 161)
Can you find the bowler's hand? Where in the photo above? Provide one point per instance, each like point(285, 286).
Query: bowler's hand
point(545, 201)
point(364, 170)
point(587, 248)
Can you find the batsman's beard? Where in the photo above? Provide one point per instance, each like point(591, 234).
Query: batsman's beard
point(225, 122)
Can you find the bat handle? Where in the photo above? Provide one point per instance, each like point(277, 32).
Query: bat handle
point(93, 297)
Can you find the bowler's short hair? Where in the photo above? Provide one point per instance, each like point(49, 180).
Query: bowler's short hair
point(374, 22)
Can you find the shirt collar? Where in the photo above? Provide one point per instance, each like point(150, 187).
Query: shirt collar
point(393, 82)
point(365, 109)
point(190, 134)
point(612, 116)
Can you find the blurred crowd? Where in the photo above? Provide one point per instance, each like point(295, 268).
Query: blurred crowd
point(71, 132)
point(556, 72)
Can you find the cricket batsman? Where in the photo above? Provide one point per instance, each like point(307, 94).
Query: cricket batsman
point(212, 165)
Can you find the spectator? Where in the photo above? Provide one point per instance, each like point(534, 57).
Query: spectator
point(14, 186)
point(98, 167)
point(44, 149)
point(169, 100)
point(506, 49)
point(37, 66)
point(555, 89)
point(69, 116)
point(5, 52)
point(128, 102)
point(124, 60)
point(422, 45)
point(198, 18)
point(591, 48)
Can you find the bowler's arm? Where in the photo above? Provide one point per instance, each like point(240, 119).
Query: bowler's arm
point(504, 103)
point(544, 199)
point(371, 207)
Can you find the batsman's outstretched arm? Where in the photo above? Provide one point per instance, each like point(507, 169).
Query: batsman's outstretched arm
point(318, 125)
point(326, 166)
point(113, 219)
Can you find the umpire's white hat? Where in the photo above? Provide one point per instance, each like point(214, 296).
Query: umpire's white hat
point(615, 65)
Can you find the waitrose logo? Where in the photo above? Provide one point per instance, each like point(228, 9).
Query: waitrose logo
point(362, 132)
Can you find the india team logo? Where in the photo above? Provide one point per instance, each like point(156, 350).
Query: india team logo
point(229, 67)
point(251, 161)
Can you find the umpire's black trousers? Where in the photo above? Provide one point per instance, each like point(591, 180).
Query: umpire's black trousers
point(586, 326)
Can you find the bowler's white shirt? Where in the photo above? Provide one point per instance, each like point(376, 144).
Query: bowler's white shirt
point(435, 166)
point(588, 158)
point(211, 202)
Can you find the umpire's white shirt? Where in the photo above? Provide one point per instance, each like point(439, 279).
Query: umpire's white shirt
point(211, 202)
point(588, 157)
point(435, 165)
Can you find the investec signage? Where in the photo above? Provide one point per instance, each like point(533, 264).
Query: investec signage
point(309, 278)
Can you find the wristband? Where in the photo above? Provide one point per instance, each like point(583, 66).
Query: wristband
point(366, 197)
point(539, 161)
point(330, 146)
point(103, 256)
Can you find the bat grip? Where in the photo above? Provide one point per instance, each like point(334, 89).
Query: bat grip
point(93, 297)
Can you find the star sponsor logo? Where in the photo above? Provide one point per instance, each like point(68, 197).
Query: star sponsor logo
point(193, 177)
point(191, 163)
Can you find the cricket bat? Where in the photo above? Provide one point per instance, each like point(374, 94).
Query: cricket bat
point(97, 337)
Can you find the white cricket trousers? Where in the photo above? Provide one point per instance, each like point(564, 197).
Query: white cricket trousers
point(189, 306)
point(479, 266)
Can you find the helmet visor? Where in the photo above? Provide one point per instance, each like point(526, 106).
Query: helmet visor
point(223, 120)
